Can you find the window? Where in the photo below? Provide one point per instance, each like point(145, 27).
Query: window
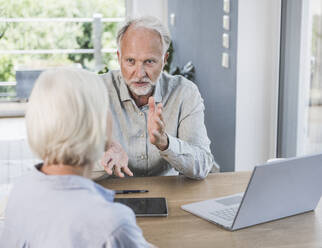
point(37, 34)
point(313, 133)
point(300, 103)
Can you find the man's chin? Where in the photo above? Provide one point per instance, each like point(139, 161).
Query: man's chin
point(141, 92)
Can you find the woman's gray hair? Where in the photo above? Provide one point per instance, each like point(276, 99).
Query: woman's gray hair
point(67, 117)
point(148, 22)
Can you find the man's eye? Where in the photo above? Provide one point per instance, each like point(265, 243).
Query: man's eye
point(131, 61)
point(149, 61)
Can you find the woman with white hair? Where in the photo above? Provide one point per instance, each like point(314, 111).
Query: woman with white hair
point(68, 125)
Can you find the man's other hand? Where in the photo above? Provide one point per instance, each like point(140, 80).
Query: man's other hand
point(116, 160)
point(156, 126)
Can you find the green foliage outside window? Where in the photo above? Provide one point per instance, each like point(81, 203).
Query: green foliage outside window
point(54, 35)
point(84, 41)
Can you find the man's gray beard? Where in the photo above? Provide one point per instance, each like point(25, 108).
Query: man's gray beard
point(141, 91)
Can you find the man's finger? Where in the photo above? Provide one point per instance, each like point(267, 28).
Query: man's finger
point(160, 106)
point(109, 166)
point(160, 124)
point(127, 171)
point(151, 105)
point(157, 135)
point(152, 138)
point(108, 169)
point(110, 162)
point(117, 171)
point(160, 111)
point(106, 158)
point(107, 161)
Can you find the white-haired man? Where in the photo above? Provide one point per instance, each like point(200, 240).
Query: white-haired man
point(158, 118)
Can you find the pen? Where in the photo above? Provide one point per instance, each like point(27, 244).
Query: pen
point(129, 191)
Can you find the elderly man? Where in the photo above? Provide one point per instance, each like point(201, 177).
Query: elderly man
point(158, 118)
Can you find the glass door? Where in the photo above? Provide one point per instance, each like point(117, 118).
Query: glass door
point(313, 121)
point(300, 86)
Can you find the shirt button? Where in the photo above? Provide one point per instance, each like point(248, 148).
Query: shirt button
point(142, 156)
point(142, 135)
point(140, 113)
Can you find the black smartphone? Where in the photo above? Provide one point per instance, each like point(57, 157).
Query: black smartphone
point(146, 206)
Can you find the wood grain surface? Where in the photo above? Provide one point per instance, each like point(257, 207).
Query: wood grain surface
point(182, 229)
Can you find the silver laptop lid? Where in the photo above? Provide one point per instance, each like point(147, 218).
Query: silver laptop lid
point(281, 189)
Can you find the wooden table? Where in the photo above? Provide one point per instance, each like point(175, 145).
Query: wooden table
point(182, 229)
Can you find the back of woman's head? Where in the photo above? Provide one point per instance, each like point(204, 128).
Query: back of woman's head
point(67, 116)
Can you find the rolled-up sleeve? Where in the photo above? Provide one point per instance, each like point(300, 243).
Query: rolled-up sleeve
point(189, 152)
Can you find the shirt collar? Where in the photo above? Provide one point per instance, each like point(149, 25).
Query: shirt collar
point(71, 182)
point(157, 92)
point(125, 94)
point(124, 91)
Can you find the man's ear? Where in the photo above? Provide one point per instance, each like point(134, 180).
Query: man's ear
point(118, 57)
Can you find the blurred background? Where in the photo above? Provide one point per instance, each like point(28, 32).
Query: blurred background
point(41, 34)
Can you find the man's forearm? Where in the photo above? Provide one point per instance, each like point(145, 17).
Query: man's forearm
point(191, 160)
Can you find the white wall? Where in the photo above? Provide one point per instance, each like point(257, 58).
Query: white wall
point(257, 81)
point(157, 8)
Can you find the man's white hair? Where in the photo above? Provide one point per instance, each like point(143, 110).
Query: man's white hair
point(67, 117)
point(148, 22)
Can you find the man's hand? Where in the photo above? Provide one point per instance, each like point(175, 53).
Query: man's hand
point(115, 159)
point(156, 127)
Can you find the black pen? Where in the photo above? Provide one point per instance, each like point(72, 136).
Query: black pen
point(129, 191)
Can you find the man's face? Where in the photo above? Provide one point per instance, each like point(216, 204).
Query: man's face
point(141, 59)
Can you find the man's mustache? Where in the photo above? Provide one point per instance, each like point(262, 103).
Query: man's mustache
point(143, 80)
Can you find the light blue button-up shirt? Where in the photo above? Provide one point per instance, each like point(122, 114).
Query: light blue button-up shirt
point(183, 113)
point(67, 211)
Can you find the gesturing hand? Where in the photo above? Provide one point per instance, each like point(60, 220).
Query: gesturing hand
point(115, 159)
point(156, 127)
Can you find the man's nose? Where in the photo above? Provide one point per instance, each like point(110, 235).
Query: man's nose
point(140, 71)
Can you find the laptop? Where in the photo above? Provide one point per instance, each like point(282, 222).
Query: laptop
point(276, 190)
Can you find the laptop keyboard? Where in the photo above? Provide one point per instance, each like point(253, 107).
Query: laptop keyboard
point(227, 214)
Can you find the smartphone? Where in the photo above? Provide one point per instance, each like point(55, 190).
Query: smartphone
point(146, 206)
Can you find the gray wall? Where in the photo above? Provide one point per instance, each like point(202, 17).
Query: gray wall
point(197, 36)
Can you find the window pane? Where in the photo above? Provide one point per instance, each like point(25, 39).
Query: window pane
point(313, 136)
point(20, 39)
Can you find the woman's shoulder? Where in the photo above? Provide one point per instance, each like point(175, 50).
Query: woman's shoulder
point(102, 209)
point(117, 214)
point(107, 219)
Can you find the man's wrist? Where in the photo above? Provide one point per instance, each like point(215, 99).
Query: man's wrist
point(166, 143)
